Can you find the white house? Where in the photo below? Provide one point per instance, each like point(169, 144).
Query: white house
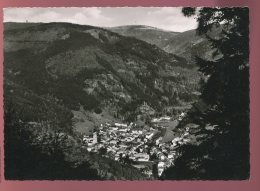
point(142, 157)
point(149, 136)
point(161, 164)
point(157, 142)
point(120, 125)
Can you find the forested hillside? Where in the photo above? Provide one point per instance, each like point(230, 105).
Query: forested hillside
point(61, 81)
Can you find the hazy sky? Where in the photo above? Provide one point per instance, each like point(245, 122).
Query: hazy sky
point(168, 18)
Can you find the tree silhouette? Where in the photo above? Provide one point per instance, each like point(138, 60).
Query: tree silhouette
point(224, 154)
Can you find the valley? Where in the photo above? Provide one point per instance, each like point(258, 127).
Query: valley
point(117, 96)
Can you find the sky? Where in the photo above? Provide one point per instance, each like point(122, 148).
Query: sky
point(167, 18)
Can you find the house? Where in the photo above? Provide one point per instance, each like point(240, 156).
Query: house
point(131, 125)
point(148, 172)
point(132, 158)
point(160, 171)
point(161, 167)
point(90, 140)
point(164, 150)
point(122, 130)
point(210, 127)
point(161, 119)
point(139, 166)
point(161, 164)
point(162, 157)
point(150, 136)
point(186, 134)
point(181, 116)
point(142, 157)
point(175, 140)
point(171, 155)
point(120, 125)
point(165, 118)
point(186, 140)
point(157, 141)
point(155, 120)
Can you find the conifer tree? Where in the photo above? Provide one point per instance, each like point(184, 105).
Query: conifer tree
point(225, 152)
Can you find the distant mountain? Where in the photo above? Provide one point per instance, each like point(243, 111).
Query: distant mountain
point(149, 34)
point(184, 44)
point(189, 44)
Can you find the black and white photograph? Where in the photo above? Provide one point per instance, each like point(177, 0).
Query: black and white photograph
point(126, 93)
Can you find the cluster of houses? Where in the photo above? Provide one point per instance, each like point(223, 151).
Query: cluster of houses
point(167, 118)
point(142, 147)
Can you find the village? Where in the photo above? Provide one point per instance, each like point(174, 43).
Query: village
point(141, 147)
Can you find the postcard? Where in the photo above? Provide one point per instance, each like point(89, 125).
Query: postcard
point(124, 96)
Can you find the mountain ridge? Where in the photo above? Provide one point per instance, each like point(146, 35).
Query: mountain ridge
point(187, 44)
point(72, 78)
